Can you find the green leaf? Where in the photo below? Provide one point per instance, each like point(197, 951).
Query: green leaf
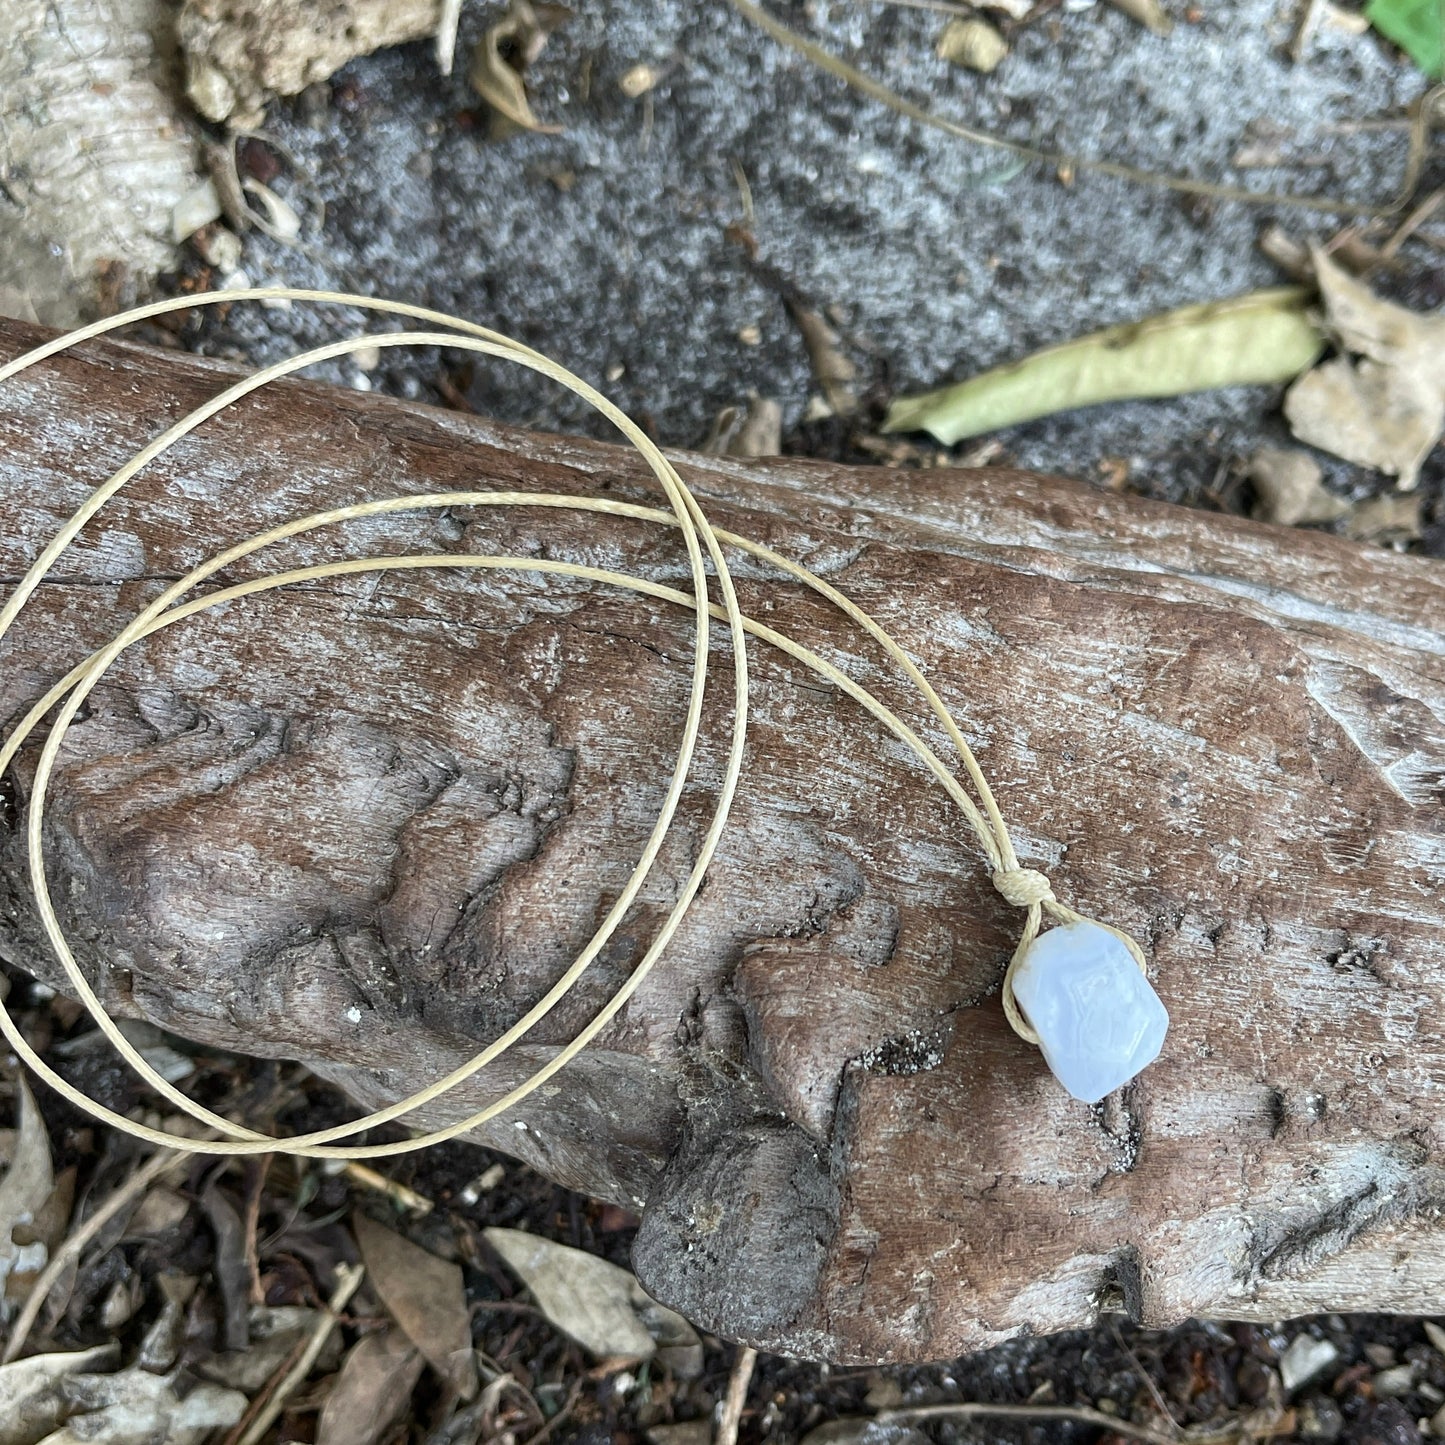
point(1265, 337)
point(1416, 26)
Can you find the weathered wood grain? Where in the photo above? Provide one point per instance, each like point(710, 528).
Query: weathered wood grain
point(365, 824)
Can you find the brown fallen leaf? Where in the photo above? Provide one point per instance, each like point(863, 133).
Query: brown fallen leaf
point(374, 1385)
point(1381, 403)
point(501, 59)
point(424, 1295)
point(1289, 489)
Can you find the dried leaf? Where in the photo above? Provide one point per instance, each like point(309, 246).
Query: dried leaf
point(1386, 409)
point(502, 57)
point(374, 1384)
point(424, 1295)
point(26, 1187)
point(281, 221)
point(974, 44)
point(32, 1403)
point(1264, 337)
point(835, 373)
point(1289, 489)
point(1388, 520)
point(136, 1408)
point(598, 1304)
point(1416, 26)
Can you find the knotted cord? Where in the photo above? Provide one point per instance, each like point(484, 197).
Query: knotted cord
point(1022, 887)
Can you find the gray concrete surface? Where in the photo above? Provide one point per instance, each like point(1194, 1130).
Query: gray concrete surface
point(943, 257)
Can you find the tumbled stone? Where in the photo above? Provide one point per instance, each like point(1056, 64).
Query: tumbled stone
point(1098, 1020)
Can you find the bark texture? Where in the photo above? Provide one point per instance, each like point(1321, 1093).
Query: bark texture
point(365, 824)
point(95, 151)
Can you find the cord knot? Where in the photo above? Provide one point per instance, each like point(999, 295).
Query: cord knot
point(1023, 887)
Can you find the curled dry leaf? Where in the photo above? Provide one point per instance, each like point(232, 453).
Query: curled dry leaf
point(752, 431)
point(374, 1385)
point(424, 1295)
point(32, 1402)
point(1289, 488)
point(1264, 337)
point(233, 1274)
point(1381, 403)
point(27, 1185)
point(502, 57)
point(598, 1304)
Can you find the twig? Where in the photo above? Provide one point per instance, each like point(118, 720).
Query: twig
point(399, 1194)
point(1304, 31)
point(69, 1252)
point(447, 25)
point(1077, 1414)
point(257, 1168)
point(1411, 224)
point(557, 1419)
point(348, 1278)
point(1160, 1402)
point(941, 7)
point(1420, 125)
point(726, 1432)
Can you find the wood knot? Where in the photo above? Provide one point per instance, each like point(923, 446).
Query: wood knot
point(1023, 887)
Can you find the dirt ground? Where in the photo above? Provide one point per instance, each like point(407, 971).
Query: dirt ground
point(622, 245)
point(1380, 1384)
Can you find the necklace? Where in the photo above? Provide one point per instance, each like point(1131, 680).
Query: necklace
point(1078, 990)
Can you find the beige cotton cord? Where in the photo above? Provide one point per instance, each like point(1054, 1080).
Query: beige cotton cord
point(1021, 887)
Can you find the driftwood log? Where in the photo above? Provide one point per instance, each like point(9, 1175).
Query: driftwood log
point(363, 825)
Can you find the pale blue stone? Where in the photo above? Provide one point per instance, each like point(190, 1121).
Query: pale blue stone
point(1098, 1020)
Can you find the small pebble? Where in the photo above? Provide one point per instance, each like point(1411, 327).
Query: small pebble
point(1320, 1419)
point(1380, 1356)
point(1306, 1359)
point(1397, 1381)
